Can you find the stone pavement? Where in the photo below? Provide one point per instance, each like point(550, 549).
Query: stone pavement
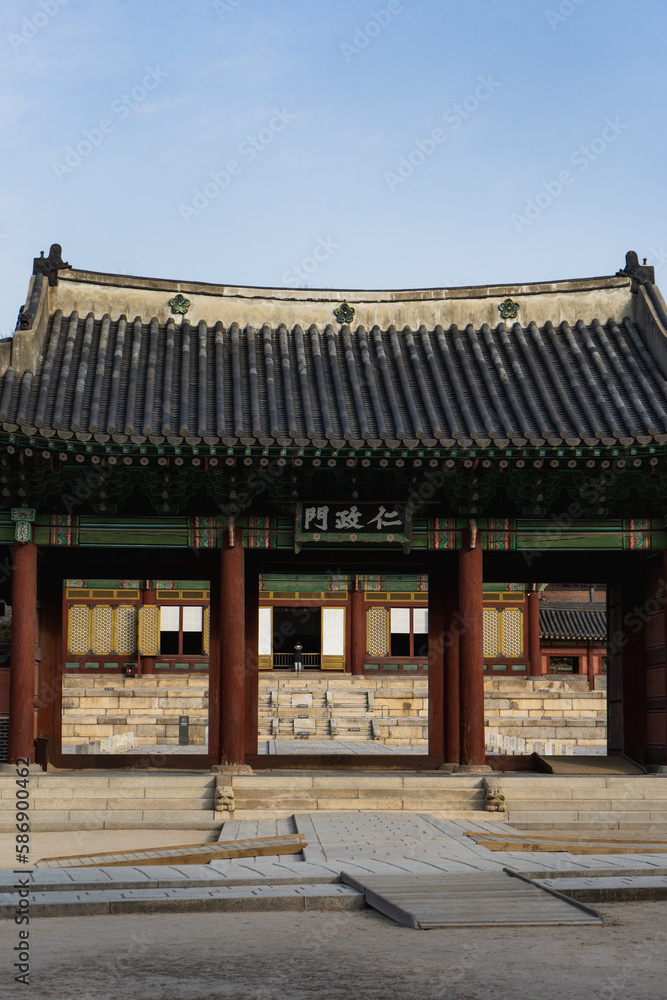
point(361, 843)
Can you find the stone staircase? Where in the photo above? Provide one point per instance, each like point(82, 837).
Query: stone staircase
point(278, 794)
point(591, 802)
point(532, 713)
point(343, 708)
point(112, 800)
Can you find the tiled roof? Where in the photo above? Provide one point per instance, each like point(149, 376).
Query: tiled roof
point(119, 379)
point(574, 621)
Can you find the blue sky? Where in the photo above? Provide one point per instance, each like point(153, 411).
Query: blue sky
point(411, 143)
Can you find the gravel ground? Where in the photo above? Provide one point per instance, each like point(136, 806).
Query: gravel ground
point(330, 956)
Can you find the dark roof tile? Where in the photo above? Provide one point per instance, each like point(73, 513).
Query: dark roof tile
point(134, 381)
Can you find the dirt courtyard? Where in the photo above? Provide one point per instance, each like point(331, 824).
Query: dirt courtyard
point(339, 955)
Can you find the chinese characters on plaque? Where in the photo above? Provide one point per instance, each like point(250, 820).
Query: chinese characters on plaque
point(363, 522)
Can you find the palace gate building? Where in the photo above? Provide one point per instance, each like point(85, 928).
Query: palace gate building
point(194, 475)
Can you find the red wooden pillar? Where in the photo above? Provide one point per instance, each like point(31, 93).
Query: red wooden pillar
point(251, 659)
point(358, 630)
point(452, 678)
point(24, 638)
point(436, 661)
point(471, 651)
point(146, 664)
point(232, 649)
point(534, 653)
point(590, 666)
point(632, 642)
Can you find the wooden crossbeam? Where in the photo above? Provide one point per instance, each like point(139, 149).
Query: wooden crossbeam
point(184, 854)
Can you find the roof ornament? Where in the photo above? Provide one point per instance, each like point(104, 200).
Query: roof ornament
point(345, 313)
point(640, 274)
point(179, 304)
point(50, 265)
point(508, 309)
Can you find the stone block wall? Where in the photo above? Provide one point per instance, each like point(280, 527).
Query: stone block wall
point(391, 710)
point(95, 708)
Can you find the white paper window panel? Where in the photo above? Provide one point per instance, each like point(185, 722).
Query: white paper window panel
point(193, 619)
point(265, 638)
point(400, 620)
point(169, 618)
point(420, 617)
point(333, 631)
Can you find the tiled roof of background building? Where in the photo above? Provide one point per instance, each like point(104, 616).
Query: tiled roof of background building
point(573, 622)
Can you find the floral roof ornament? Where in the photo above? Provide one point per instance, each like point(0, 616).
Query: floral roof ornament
point(179, 304)
point(344, 313)
point(508, 309)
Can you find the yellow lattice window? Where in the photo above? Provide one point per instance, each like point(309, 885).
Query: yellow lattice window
point(207, 630)
point(102, 622)
point(78, 632)
point(126, 630)
point(490, 631)
point(149, 630)
point(512, 631)
point(377, 620)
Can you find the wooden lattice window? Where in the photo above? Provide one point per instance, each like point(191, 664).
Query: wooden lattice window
point(102, 620)
point(78, 629)
point(149, 630)
point(512, 632)
point(126, 630)
point(377, 632)
point(490, 631)
point(502, 632)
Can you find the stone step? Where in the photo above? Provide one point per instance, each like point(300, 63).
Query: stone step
point(612, 821)
point(381, 790)
point(118, 819)
point(190, 899)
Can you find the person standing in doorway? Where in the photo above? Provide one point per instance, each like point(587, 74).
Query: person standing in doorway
point(298, 662)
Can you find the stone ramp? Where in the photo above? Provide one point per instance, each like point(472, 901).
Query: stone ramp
point(590, 764)
point(496, 899)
